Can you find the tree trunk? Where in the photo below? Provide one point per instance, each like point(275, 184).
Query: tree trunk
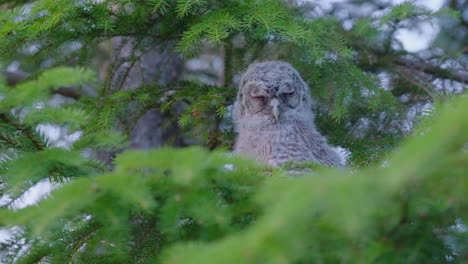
point(156, 65)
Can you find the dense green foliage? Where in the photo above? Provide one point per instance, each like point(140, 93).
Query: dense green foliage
point(155, 199)
point(193, 205)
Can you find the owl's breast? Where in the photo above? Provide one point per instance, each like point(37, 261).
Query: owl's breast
point(292, 143)
point(258, 145)
point(276, 145)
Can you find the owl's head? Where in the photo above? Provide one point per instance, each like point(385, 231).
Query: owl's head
point(273, 92)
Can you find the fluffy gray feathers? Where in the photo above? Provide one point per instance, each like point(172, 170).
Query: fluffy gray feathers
point(274, 119)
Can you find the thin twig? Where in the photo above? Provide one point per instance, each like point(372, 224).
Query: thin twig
point(26, 130)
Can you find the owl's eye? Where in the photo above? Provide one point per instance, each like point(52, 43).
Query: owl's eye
point(289, 93)
point(258, 97)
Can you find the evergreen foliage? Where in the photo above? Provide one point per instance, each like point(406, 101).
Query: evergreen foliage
point(193, 205)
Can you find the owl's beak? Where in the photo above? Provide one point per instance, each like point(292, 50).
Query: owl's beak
point(274, 103)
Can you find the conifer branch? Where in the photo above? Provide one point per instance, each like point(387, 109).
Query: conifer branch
point(38, 259)
point(15, 77)
point(26, 130)
point(67, 92)
point(390, 60)
point(424, 87)
point(80, 240)
point(433, 70)
point(18, 197)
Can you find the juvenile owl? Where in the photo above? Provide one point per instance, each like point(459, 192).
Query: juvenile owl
point(274, 120)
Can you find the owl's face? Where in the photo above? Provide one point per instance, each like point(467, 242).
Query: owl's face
point(273, 91)
point(272, 101)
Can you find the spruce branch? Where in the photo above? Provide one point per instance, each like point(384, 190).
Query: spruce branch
point(81, 239)
point(134, 61)
point(26, 130)
point(434, 70)
point(391, 59)
point(67, 92)
point(410, 78)
point(38, 258)
point(15, 77)
point(19, 196)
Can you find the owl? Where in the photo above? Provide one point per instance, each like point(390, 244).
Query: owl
point(274, 120)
